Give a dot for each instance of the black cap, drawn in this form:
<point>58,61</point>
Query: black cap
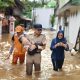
<point>37,26</point>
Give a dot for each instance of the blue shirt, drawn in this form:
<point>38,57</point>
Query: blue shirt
<point>58,52</point>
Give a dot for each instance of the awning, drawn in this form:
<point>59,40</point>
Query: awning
<point>67,6</point>
<point>26,19</point>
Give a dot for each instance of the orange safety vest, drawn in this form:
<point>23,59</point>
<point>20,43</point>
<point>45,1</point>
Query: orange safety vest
<point>18,47</point>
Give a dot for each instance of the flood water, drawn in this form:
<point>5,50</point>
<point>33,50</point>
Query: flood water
<point>71,67</point>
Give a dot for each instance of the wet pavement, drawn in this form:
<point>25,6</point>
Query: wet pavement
<point>71,67</point>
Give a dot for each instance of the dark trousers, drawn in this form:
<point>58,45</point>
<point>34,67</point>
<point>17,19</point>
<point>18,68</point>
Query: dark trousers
<point>57,64</point>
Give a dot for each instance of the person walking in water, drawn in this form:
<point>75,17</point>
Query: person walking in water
<point>34,56</point>
<point>58,45</point>
<point>17,48</point>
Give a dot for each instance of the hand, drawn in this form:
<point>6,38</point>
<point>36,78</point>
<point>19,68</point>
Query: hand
<point>58,44</point>
<point>64,45</point>
<point>32,50</point>
<point>61,44</point>
<point>40,47</point>
<point>32,47</point>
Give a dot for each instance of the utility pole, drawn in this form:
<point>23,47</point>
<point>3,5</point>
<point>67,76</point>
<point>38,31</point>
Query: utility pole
<point>77,45</point>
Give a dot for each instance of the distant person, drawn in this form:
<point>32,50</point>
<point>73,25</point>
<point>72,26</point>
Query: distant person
<point>58,45</point>
<point>60,28</point>
<point>5,25</point>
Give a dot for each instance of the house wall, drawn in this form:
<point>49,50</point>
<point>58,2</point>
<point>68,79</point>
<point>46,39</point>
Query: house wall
<point>43,16</point>
<point>59,22</point>
<point>74,24</point>
<point>71,31</point>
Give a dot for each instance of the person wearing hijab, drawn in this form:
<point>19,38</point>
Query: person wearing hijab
<point>58,45</point>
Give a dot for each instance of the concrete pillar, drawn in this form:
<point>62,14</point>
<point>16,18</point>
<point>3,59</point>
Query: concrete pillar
<point>12,25</point>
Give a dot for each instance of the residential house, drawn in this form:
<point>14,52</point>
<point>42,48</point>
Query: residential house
<point>68,15</point>
<point>14,10</point>
<point>43,16</point>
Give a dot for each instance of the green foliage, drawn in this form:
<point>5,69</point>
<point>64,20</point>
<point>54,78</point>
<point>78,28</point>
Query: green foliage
<point>6,3</point>
<point>52,20</point>
<point>17,22</point>
<point>27,10</point>
<point>51,4</point>
<point>29,6</point>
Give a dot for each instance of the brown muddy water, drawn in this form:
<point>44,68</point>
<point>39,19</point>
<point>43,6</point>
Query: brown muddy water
<point>71,67</point>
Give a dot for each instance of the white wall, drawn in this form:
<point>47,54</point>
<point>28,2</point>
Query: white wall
<point>43,16</point>
<point>62,3</point>
<point>74,24</point>
<point>59,22</point>
<point>1,16</point>
<point>73,28</point>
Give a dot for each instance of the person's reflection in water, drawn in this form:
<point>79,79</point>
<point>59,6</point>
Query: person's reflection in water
<point>37,75</point>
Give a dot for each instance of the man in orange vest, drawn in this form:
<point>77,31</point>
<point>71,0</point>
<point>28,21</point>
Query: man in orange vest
<point>17,47</point>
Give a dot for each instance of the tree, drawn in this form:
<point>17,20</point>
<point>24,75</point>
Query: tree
<point>29,6</point>
<point>7,4</point>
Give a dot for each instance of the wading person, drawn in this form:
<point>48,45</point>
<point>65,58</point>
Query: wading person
<point>60,28</point>
<point>58,45</point>
<point>17,48</point>
<point>34,56</point>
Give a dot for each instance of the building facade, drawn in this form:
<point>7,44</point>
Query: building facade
<point>43,16</point>
<point>68,13</point>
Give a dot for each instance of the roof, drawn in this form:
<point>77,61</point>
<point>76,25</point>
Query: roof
<point>67,6</point>
<point>27,19</point>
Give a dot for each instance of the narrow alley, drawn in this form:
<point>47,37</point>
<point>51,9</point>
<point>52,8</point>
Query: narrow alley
<point>71,67</point>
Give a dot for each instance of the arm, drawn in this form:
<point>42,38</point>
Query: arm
<point>11,49</point>
<point>65,45</point>
<point>12,45</point>
<point>42,44</point>
<point>26,43</point>
<point>52,45</point>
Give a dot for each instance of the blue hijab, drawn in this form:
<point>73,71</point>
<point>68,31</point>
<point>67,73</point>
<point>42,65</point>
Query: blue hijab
<point>62,39</point>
